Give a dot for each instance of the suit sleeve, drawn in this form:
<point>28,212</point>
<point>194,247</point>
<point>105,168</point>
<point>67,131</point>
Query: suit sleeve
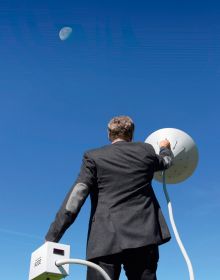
<point>163,160</point>
<point>73,201</point>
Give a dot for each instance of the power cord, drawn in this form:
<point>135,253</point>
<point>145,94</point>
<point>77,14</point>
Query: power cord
<point>170,210</point>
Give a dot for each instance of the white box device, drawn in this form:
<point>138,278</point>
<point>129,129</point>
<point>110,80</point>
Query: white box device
<point>43,266</point>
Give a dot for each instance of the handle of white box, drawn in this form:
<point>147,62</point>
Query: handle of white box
<point>83,262</point>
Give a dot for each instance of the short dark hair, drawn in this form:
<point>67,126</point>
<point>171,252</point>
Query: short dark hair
<point>121,127</point>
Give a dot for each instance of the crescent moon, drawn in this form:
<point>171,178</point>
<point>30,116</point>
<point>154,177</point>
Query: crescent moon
<point>65,33</point>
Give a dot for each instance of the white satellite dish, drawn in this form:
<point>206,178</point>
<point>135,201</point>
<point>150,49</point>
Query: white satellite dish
<point>184,150</point>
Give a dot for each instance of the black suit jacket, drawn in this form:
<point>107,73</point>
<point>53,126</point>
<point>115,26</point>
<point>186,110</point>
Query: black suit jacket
<point>124,210</point>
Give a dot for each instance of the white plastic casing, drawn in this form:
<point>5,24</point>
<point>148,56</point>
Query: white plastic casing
<point>184,150</point>
<point>43,267</point>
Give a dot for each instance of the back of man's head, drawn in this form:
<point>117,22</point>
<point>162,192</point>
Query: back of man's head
<point>121,127</point>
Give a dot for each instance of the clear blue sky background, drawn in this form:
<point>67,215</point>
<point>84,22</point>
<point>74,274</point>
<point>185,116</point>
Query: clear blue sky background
<point>157,61</point>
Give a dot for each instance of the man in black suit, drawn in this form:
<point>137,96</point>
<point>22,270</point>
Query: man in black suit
<point>126,224</point>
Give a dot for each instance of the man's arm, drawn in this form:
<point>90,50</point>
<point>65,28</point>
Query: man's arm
<point>73,201</point>
<point>165,157</point>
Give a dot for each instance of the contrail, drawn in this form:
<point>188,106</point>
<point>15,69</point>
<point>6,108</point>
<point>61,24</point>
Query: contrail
<point>21,234</point>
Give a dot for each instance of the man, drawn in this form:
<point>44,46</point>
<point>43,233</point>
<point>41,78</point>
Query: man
<point>126,224</point>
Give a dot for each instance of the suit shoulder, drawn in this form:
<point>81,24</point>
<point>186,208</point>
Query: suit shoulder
<point>108,148</point>
<point>95,151</point>
<point>144,145</point>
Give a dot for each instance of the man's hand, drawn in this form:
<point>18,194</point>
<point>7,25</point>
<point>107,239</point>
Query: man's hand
<point>164,143</point>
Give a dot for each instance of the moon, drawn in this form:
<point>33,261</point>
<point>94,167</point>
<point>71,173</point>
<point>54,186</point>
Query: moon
<point>65,33</point>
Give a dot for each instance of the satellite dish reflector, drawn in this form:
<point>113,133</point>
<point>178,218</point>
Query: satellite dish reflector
<point>184,150</point>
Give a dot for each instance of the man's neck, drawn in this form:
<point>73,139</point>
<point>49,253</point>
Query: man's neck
<point>118,140</point>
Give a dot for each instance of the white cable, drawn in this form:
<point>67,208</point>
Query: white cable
<point>83,262</point>
<point>170,210</point>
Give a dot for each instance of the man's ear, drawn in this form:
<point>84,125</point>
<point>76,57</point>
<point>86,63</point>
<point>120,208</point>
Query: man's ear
<point>108,132</point>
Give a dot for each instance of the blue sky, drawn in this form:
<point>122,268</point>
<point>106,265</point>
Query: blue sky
<point>156,61</point>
